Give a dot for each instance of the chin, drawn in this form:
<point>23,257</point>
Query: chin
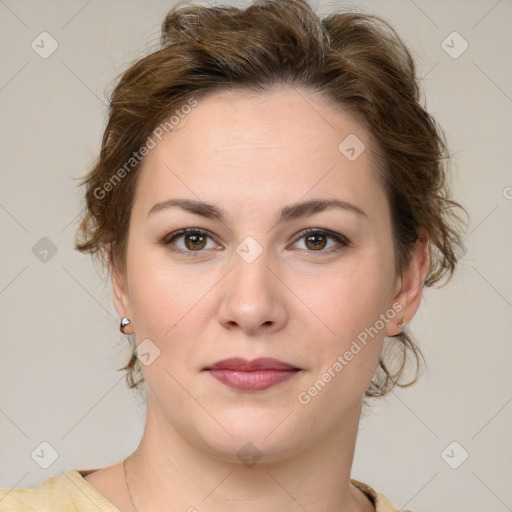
<point>252,437</point>
<point>249,449</point>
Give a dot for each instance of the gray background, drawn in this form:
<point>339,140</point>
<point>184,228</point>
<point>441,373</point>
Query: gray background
<point>60,343</point>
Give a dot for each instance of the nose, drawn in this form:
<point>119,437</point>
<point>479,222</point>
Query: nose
<point>253,297</point>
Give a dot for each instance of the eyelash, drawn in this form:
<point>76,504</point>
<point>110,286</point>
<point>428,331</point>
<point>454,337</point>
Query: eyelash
<point>340,239</point>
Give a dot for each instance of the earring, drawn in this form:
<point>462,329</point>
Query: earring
<point>401,324</point>
<point>123,324</point>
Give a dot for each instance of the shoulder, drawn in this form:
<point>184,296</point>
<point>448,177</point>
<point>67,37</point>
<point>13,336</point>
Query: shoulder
<point>68,492</point>
<point>381,503</point>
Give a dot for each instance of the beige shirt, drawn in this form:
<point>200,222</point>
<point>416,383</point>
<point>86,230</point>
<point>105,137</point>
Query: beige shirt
<point>71,493</point>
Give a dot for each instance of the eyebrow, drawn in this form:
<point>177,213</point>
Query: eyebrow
<point>288,213</point>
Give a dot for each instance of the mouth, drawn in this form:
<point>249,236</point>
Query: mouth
<point>256,375</point>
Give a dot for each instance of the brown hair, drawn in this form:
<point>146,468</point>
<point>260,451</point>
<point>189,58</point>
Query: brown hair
<point>357,61</point>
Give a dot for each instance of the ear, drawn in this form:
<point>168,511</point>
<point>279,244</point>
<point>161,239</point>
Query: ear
<point>409,288</point>
<point>119,291</point>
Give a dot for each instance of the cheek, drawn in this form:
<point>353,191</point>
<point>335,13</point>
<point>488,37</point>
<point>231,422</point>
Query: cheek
<point>351,297</point>
<point>354,305</point>
<point>166,298</point>
<point>168,310</point>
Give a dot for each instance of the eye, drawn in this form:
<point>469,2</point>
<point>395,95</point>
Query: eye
<point>194,240</point>
<point>316,240</point>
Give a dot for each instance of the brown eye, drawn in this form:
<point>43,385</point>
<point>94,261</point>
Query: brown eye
<point>189,240</point>
<point>316,241</point>
<point>194,241</point>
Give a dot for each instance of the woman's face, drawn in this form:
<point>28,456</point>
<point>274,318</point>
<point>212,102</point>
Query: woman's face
<point>247,282</point>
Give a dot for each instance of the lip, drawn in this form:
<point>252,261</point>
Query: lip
<point>243,365</point>
<point>256,375</point>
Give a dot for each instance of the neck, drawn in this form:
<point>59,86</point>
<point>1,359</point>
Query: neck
<point>170,472</point>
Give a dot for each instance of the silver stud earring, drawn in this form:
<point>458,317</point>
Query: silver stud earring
<point>401,324</point>
<point>123,324</point>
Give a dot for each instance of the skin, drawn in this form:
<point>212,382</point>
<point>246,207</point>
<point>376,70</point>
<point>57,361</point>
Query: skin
<point>251,155</point>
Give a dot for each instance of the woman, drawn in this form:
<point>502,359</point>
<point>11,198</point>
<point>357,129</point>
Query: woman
<point>270,201</point>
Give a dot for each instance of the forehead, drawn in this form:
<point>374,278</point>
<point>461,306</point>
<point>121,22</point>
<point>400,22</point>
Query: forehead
<point>281,145</point>
<point>284,118</point>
